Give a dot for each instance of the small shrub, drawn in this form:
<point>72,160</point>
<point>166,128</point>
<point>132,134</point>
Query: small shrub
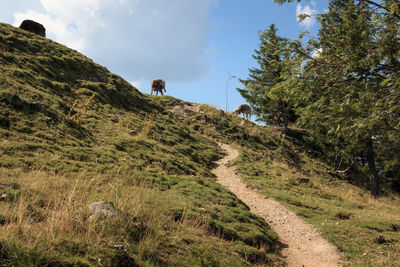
<point>147,124</point>
<point>77,111</point>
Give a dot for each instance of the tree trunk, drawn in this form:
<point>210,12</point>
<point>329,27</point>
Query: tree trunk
<point>373,175</point>
<point>284,117</point>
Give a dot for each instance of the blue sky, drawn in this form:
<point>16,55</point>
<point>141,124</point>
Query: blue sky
<point>235,27</point>
<point>192,44</point>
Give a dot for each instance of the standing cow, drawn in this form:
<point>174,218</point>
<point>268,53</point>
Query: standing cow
<point>158,85</point>
<point>277,119</point>
<point>245,110</point>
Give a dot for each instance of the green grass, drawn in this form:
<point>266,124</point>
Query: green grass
<point>72,133</point>
<point>345,214</point>
<point>164,220</point>
<point>365,230</point>
<point>49,119</point>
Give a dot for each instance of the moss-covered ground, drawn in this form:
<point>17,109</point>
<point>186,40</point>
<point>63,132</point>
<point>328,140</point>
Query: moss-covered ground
<point>292,170</point>
<point>72,133</point>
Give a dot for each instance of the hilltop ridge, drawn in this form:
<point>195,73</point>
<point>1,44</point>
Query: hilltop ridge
<point>54,98</point>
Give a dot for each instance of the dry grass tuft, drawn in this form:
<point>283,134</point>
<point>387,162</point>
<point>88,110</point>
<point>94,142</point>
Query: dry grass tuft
<point>78,109</point>
<point>147,124</point>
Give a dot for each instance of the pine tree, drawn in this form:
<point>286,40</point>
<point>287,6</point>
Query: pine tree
<point>351,90</point>
<point>259,86</point>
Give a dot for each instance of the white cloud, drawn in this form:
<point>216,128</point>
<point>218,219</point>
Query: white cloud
<point>138,84</point>
<point>308,10</point>
<point>139,39</point>
<point>56,28</point>
<point>316,52</point>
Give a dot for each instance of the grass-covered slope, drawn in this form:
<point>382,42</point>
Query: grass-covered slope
<point>291,170</point>
<point>60,111</point>
<point>72,133</point>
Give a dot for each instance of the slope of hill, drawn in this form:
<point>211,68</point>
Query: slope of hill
<point>73,133</point>
<point>291,170</point>
<point>66,112</point>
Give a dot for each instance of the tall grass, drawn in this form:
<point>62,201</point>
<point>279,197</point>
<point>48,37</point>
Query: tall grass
<point>78,109</point>
<point>51,210</point>
<point>46,220</point>
<point>147,125</point>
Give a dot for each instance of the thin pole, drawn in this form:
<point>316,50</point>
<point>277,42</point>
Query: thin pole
<point>226,91</point>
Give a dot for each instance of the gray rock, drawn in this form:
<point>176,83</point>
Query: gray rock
<point>102,210</point>
<point>3,197</point>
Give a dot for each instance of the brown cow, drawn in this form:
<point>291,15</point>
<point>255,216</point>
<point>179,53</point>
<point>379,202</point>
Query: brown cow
<point>158,85</point>
<point>32,26</point>
<point>277,119</point>
<point>245,110</point>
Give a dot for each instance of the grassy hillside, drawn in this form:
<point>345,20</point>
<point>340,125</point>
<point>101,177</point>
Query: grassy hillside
<point>72,133</point>
<point>366,230</point>
<point>62,112</point>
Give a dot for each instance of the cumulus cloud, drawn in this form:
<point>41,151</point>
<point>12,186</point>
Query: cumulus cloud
<point>56,29</point>
<point>139,39</point>
<point>307,10</point>
<point>316,53</point>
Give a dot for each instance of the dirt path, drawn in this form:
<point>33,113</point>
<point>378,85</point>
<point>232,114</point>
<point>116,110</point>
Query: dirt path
<point>303,245</point>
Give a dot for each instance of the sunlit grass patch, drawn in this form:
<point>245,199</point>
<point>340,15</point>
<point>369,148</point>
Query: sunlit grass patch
<point>179,220</point>
<point>345,214</point>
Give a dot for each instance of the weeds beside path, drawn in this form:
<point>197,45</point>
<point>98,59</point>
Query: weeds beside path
<point>302,244</point>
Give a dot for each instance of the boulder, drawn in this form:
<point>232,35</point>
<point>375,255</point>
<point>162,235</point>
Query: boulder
<point>102,210</point>
<point>33,26</point>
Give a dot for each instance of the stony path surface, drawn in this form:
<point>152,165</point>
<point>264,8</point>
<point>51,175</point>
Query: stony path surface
<point>303,246</point>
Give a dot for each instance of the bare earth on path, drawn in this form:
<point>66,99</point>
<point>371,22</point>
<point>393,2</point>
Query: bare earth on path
<point>303,246</point>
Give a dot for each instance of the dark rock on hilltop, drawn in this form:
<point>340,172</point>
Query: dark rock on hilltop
<point>32,26</point>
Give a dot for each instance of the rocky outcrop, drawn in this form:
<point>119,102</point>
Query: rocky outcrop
<point>33,26</point>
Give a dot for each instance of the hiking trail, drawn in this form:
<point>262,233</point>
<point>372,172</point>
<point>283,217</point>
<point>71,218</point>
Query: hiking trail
<point>302,244</point>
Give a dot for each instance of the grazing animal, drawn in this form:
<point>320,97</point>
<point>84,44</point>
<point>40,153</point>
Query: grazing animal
<point>158,85</point>
<point>277,119</point>
<point>33,26</point>
<point>245,110</point>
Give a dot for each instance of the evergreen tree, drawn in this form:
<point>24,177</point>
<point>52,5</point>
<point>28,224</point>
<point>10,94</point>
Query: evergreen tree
<point>258,90</point>
<point>351,89</point>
